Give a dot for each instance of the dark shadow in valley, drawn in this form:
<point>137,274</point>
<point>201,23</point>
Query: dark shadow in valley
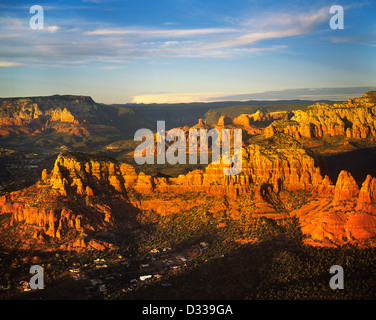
<point>233,277</point>
<point>359,163</point>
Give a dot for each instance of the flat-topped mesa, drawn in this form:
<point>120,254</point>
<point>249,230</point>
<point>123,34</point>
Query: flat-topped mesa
<point>75,115</point>
<point>355,118</point>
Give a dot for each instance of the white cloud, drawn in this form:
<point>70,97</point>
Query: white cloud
<point>52,29</point>
<point>177,97</point>
<point>88,43</point>
<point>274,26</point>
<point>8,64</point>
<point>218,41</point>
<point>159,33</point>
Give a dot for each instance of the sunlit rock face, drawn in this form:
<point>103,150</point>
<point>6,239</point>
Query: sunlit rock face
<point>86,193</point>
<point>73,115</point>
<point>355,118</point>
<point>348,215</point>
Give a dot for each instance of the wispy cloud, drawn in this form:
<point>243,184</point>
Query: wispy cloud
<point>161,33</point>
<point>366,39</point>
<point>8,64</point>
<point>177,97</point>
<point>274,26</point>
<point>335,94</point>
<point>209,42</point>
<point>89,43</point>
<point>338,94</point>
<point>52,29</point>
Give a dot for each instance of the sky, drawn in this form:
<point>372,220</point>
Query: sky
<point>155,51</point>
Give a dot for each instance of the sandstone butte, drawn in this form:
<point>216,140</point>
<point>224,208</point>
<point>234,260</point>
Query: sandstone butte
<point>355,118</point>
<point>86,193</point>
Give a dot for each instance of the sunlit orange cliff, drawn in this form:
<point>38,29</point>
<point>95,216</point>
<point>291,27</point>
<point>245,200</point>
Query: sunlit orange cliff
<point>85,194</point>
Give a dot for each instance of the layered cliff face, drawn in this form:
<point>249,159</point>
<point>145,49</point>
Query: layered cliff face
<point>355,118</point>
<point>346,215</point>
<point>283,163</point>
<point>76,115</point>
<point>279,161</point>
<point>84,194</point>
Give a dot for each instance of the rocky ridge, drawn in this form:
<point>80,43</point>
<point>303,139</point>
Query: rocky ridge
<point>355,119</point>
<point>75,115</point>
<point>85,194</point>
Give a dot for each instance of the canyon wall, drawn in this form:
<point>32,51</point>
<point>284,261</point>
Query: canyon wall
<point>355,118</point>
<point>75,115</point>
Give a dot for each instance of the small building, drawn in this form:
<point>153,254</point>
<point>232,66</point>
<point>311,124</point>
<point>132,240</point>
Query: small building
<point>143,278</point>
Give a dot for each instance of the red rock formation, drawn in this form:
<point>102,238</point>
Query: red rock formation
<point>346,187</point>
<point>224,121</point>
<point>87,193</point>
<point>355,119</point>
<point>279,162</point>
<point>348,216</point>
<point>367,194</point>
<point>74,115</point>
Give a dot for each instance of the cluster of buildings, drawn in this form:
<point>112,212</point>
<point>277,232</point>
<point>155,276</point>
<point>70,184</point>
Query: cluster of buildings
<point>114,277</point>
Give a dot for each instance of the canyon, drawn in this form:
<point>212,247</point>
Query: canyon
<point>87,194</point>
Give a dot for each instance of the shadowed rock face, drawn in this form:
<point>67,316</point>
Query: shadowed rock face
<point>355,118</point>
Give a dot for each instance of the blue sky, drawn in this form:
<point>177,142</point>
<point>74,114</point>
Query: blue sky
<point>186,50</point>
